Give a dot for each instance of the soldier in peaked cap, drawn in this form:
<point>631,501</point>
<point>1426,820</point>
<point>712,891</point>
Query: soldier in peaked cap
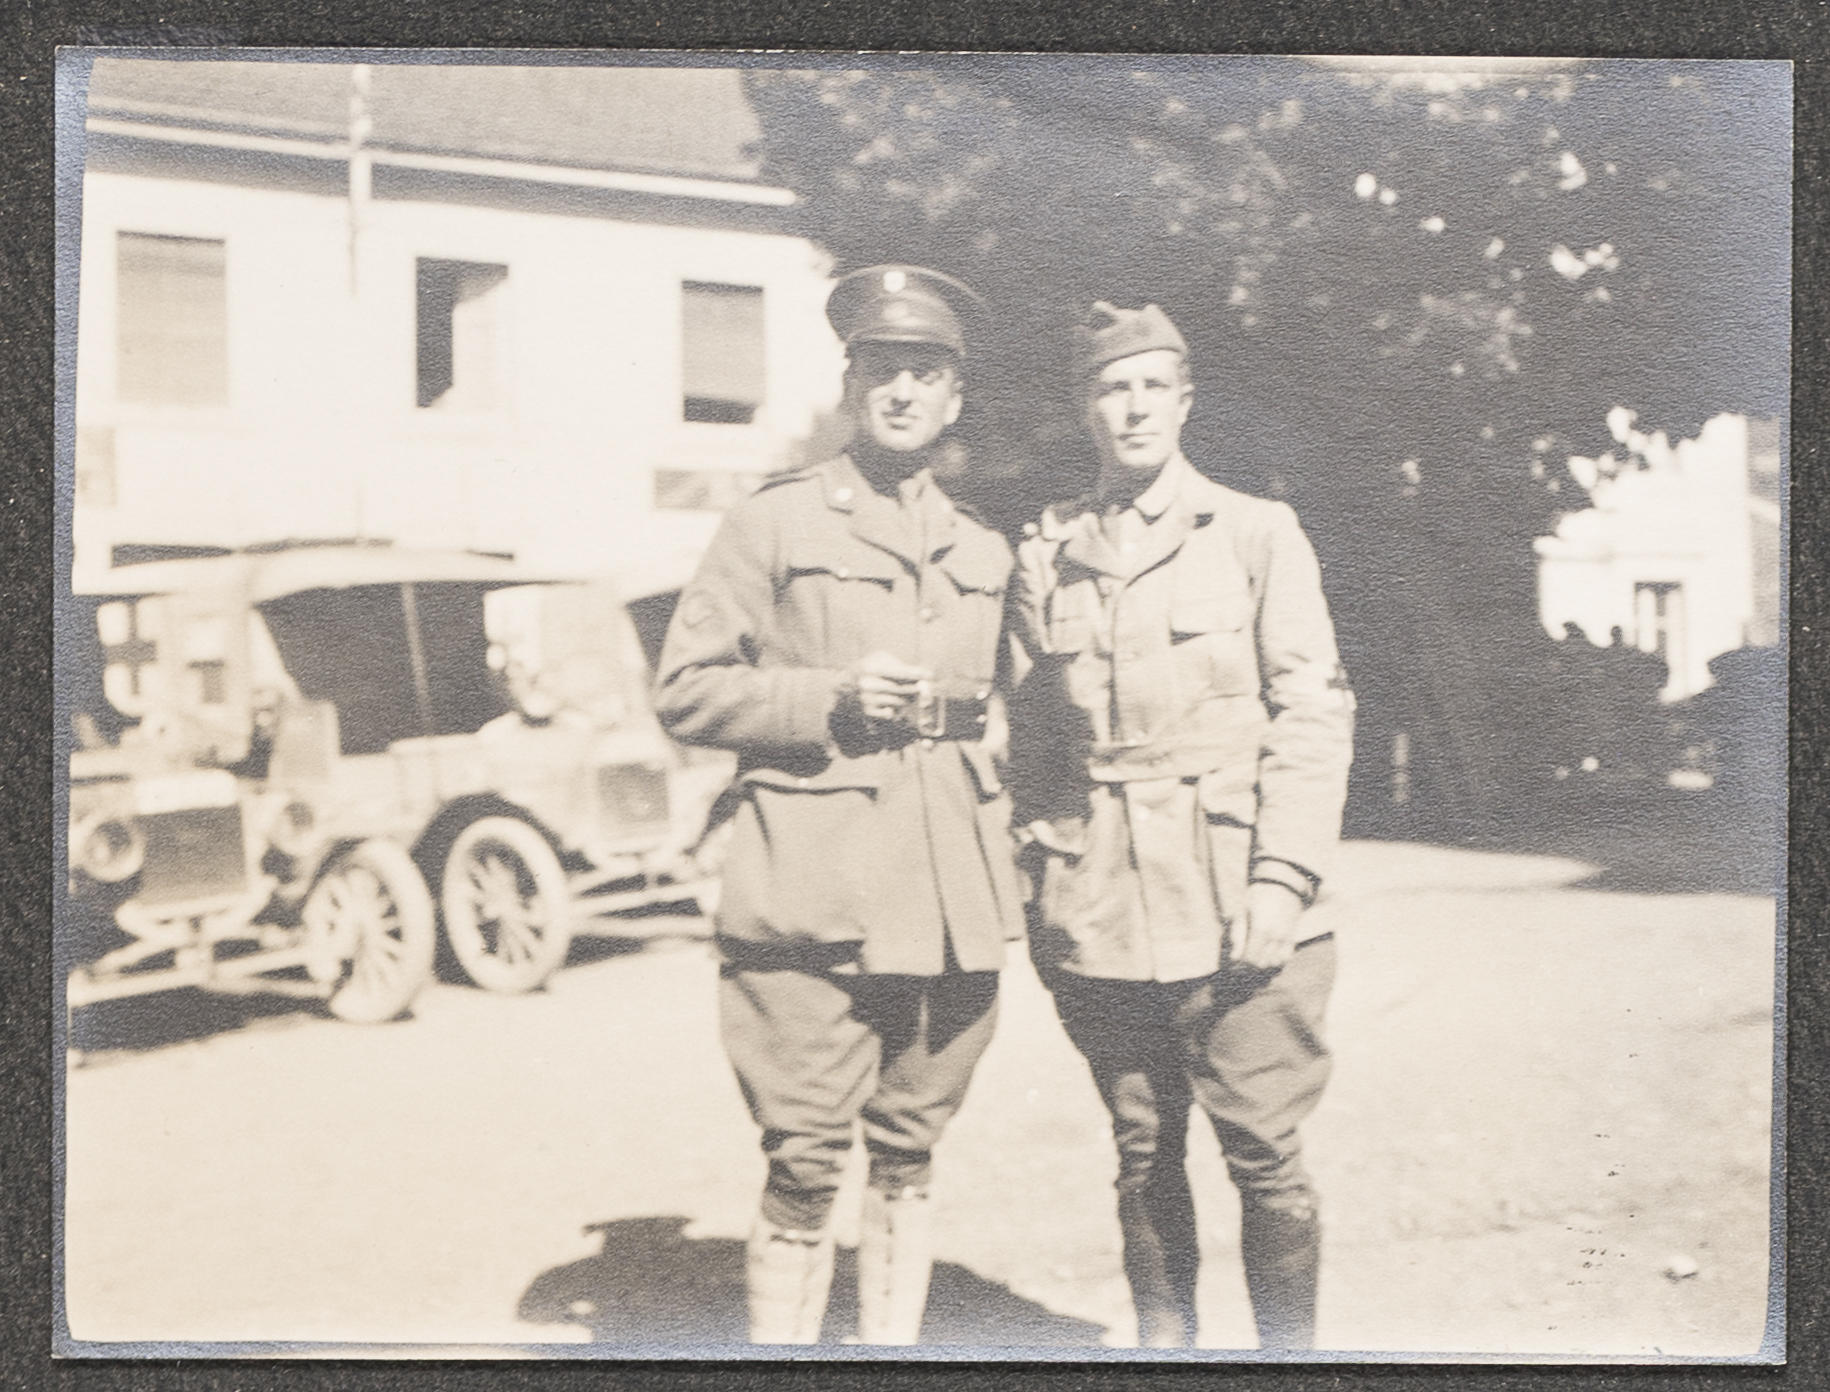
<point>1180,750</point>
<point>904,304</point>
<point>842,636</point>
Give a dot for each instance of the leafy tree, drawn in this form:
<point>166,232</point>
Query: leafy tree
<point>1411,293</point>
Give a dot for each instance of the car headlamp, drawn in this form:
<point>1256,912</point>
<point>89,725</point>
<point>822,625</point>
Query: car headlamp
<point>294,828</point>
<point>108,849</point>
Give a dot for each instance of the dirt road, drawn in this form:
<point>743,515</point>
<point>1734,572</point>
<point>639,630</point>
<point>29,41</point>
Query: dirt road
<point>1547,1089</point>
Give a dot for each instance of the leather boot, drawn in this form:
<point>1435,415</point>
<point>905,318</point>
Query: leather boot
<point>895,1259</point>
<point>787,1274</point>
<point>1282,1249</point>
<point>1161,1269</point>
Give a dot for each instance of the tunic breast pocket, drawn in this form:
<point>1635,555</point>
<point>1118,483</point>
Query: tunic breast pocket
<point>981,569</point>
<point>835,604</point>
<point>978,573</point>
<point>1210,635</point>
<point>1073,620</point>
<point>1076,639</point>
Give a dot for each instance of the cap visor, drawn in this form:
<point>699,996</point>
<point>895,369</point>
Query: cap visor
<point>890,335</point>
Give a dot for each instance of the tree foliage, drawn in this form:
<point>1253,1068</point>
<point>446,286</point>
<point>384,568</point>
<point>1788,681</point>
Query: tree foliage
<point>1411,292</point>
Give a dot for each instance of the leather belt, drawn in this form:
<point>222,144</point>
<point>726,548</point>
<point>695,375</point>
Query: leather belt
<point>941,711</point>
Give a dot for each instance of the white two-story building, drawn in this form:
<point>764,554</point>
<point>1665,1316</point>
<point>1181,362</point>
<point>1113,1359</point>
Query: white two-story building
<point>1679,551</point>
<point>546,310</point>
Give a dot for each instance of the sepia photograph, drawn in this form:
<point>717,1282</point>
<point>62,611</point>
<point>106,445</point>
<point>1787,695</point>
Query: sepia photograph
<point>925,706</point>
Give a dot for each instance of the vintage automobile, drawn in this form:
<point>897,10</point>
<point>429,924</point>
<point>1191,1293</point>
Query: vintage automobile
<point>292,766</point>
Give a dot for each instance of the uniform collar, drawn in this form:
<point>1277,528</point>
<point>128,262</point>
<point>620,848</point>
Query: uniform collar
<point>847,489</point>
<point>886,521</point>
<point>1171,504</point>
<point>1164,489</point>
<point>842,483</point>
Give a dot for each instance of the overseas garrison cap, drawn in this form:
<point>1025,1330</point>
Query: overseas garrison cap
<point>1118,333</point>
<point>902,304</point>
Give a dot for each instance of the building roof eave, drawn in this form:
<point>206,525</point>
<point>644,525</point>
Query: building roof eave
<point>341,150</point>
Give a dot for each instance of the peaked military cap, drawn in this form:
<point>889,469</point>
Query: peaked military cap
<point>903,304</point>
<point>1114,333</point>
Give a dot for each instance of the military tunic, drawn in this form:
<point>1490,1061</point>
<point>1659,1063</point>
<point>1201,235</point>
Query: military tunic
<point>869,887</point>
<point>900,847</point>
<point>1185,728</point>
<point>1187,732</point>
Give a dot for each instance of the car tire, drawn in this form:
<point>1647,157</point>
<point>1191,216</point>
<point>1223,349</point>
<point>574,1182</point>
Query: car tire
<point>372,907</point>
<point>507,905</point>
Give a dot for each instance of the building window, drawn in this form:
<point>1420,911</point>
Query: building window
<point>460,310</point>
<point>721,352</point>
<point>130,655</point>
<point>1658,621</point>
<point>172,320</point>
<point>95,475</point>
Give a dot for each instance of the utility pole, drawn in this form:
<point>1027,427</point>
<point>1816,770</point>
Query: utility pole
<point>361,188</point>
<point>361,162</point>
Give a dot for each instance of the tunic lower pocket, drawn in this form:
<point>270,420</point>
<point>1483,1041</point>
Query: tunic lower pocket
<point>984,771</point>
<point>799,866</point>
<point>1229,821</point>
<point>1226,800</point>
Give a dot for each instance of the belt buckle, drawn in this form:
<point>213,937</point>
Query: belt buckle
<point>930,712</point>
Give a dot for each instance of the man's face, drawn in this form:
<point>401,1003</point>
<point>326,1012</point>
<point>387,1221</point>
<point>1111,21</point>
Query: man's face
<point>1136,409</point>
<point>905,394</point>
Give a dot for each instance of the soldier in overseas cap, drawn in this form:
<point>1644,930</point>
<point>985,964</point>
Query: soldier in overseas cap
<point>1181,740</point>
<point>842,636</point>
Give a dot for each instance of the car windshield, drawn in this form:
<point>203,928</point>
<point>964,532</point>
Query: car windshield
<point>352,647</point>
<point>541,649</point>
<point>545,650</point>
<point>568,648</point>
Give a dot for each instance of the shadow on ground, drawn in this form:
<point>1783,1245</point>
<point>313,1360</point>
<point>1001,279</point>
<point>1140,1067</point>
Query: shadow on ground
<point>639,930</point>
<point>136,1024</point>
<point>623,935</point>
<point>1640,841</point>
<point>654,1287</point>
<point>1671,844</point>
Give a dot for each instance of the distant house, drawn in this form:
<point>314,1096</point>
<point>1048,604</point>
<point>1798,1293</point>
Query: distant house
<point>549,310</point>
<point>1679,550</point>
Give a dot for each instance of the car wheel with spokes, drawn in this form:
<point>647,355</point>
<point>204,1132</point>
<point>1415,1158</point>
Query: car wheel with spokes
<point>370,932</point>
<point>507,905</point>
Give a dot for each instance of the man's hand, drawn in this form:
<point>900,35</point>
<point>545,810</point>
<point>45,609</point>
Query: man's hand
<point>996,738</point>
<point>1269,933</point>
<point>884,686</point>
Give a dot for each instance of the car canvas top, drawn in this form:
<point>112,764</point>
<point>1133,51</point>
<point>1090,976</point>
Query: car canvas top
<point>265,575</point>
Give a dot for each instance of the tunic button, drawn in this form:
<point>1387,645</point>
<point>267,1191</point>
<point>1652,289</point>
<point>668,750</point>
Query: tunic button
<point>800,782</point>
<point>927,614</point>
<point>843,572</point>
<point>842,495</point>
